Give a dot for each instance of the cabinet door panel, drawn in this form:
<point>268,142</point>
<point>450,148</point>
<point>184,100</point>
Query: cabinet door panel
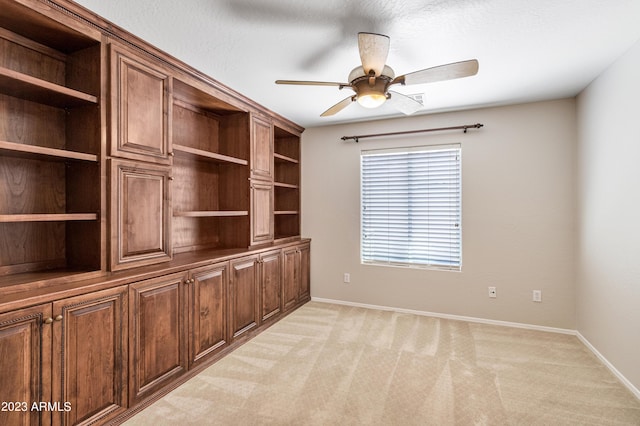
<point>140,214</point>
<point>90,356</point>
<point>157,336</point>
<point>290,277</point>
<point>261,149</point>
<point>305,272</point>
<point>271,284</point>
<point>25,364</point>
<point>244,296</point>
<point>140,108</point>
<point>261,213</point>
<point>208,311</point>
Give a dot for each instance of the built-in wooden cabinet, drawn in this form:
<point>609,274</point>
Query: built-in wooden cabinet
<point>140,106</point>
<point>262,188</point>
<point>149,216</point>
<point>208,332</point>
<point>296,275</point>
<point>140,214</point>
<point>25,364</point>
<point>261,149</point>
<point>61,353</point>
<point>261,212</point>
<point>244,295</point>
<point>90,350</point>
<point>270,264</point>
<point>157,336</point>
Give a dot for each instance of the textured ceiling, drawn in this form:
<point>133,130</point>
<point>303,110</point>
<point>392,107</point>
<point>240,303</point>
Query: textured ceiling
<point>528,50</point>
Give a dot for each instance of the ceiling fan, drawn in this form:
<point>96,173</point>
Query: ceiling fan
<point>372,80</point>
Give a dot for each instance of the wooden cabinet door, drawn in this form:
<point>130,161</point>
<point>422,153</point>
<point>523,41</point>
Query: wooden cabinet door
<point>157,342</point>
<point>244,297</point>
<point>290,277</point>
<point>305,272</point>
<point>208,330</point>
<point>25,365</point>
<point>261,212</point>
<point>296,275</point>
<point>261,149</point>
<point>90,356</point>
<point>140,107</point>
<point>271,284</point>
<point>140,214</point>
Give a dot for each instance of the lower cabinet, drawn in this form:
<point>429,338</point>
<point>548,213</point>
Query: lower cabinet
<point>25,364</point>
<point>158,334</point>
<point>208,311</point>
<point>87,359</point>
<point>177,322</point>
<point>255,290</point>
<point>270,284</point>
<point>244,295</point>
<point>296,275</point>
<point>65,362</point>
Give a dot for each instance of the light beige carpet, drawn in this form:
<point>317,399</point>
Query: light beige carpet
<point>336,365</point>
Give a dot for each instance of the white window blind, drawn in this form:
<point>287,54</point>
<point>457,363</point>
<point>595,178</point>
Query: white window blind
<point>411,207</point>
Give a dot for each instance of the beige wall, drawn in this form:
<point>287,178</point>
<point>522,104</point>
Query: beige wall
<point>608,207</point>
<point>518,215</point>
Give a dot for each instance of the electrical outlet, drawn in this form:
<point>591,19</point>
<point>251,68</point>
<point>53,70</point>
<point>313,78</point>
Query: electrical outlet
<point>492,292</point>
<point>347,277</point>
<point>537,295</point>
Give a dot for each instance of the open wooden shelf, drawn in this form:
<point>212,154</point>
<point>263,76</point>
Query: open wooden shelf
<point>24,86</point>
<point>285,185</point>
<point>209,156</point>
<point>210,213</point>
<point>51,128</point>
<point>40,152</point>
<point>46,217</point>
<point>285,158</point>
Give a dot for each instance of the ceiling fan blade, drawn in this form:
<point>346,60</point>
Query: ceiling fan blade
<point>404,103</point>
<point>339,106</point>
<point>313,83</point>
<point>374,49</point>
<point>440,73</point>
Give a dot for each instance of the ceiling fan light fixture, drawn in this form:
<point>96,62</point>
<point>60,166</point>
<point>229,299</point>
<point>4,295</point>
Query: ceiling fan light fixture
<point>371,100</point>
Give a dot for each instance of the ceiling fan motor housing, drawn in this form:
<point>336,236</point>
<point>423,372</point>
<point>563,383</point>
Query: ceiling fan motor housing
<point>371,91</point>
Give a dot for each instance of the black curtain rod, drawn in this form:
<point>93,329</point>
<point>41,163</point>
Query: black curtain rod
<point>374,135</point>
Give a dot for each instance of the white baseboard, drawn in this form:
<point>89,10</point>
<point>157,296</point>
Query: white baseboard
<point>634,390</point>
<point>576,333</point>
<point>448,316</point>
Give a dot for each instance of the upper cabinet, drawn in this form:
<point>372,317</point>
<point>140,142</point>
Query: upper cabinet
<point>140,107</point>
<point>261,148</point>
<point>51,148</point>
<point>140,214</point>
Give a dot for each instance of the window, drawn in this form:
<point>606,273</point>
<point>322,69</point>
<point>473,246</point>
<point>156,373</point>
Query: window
<point>411,207</point>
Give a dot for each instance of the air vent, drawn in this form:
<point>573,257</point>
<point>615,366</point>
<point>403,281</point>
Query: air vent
<point>417,97</point>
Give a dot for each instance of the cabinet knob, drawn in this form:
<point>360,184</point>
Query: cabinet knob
<point>58,318</point>
<point>170,178</point>
<point>170,154</point>
<point>48,320</point>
